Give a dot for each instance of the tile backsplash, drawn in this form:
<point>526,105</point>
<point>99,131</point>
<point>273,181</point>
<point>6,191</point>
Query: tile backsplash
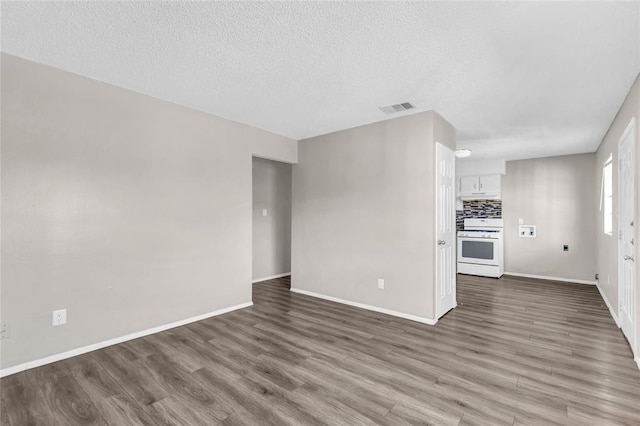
<point>483,209</point>
<point>459,220</point>
<point>478,209</point>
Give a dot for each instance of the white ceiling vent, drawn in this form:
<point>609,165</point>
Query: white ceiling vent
<point>392,109</point>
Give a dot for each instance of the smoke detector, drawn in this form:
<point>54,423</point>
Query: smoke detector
<point>392,109</point>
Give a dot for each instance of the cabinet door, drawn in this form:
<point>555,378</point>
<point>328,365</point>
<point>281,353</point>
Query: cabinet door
<point>489,183</point>
<point>469,184</point>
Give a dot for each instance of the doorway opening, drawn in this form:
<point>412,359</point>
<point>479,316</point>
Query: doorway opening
<point>271,219</point>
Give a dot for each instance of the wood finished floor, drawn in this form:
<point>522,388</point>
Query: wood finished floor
<point>517,351</point>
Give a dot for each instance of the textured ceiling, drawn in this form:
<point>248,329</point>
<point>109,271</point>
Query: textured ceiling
<point>518,80</point>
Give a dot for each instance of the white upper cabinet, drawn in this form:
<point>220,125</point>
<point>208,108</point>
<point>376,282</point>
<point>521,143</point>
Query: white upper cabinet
<point>490,183</point>
<point>468,185</point>
<point>480,187</point>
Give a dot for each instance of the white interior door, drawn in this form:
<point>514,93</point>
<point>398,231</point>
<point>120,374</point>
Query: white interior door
<point>626,233</point>
<point>445,231</point>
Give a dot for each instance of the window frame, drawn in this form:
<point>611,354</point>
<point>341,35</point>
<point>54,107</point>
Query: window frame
<point>606,200</point>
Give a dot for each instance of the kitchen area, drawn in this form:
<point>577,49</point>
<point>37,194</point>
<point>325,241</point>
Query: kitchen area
<point>479,221</point>
<point>532,218</point>
<point>480,227</point>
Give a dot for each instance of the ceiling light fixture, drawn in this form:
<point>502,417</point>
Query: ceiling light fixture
<point>463,153</point>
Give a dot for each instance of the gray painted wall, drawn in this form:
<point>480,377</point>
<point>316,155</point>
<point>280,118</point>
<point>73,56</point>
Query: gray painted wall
<point>128,211</point>
<point>555,194</point>
<point>607,253</point>
<point>271,233</point>
<point>363,209</point>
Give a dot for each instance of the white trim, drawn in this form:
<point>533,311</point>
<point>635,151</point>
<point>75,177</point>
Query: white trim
<point>272,277</point>
<point>637,360</point>
<point>611,311</point>
<point>89,348</point>
<point>543,277</point>
<point>368,307</point>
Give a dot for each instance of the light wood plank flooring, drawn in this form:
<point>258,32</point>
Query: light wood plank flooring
<point>516,351</point>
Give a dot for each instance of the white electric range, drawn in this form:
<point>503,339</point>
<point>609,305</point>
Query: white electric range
<point>481,248</point>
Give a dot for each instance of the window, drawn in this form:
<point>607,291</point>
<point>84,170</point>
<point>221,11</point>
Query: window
<point>606,200</point>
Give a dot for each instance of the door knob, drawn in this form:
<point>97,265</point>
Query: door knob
<point>628,258</point>
<point>441,242</point>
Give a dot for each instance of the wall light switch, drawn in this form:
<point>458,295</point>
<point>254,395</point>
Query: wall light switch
<point>380,283</point>
<point>265,212</point>
<point>59,317</point>
<point>520,221</point>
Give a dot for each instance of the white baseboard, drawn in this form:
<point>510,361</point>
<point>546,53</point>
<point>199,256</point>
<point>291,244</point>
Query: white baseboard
<point>637,359</point>
<point>272,277</point>
<point>606,301</point>
<point>83,350</point>
<point>544,277</point>
<point>368,307</point>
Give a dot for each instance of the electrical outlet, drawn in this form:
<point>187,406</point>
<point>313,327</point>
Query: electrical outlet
<point>5,330</point>
<point>59,317</point>
<point>380,283</point>
<point>265,212</point>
